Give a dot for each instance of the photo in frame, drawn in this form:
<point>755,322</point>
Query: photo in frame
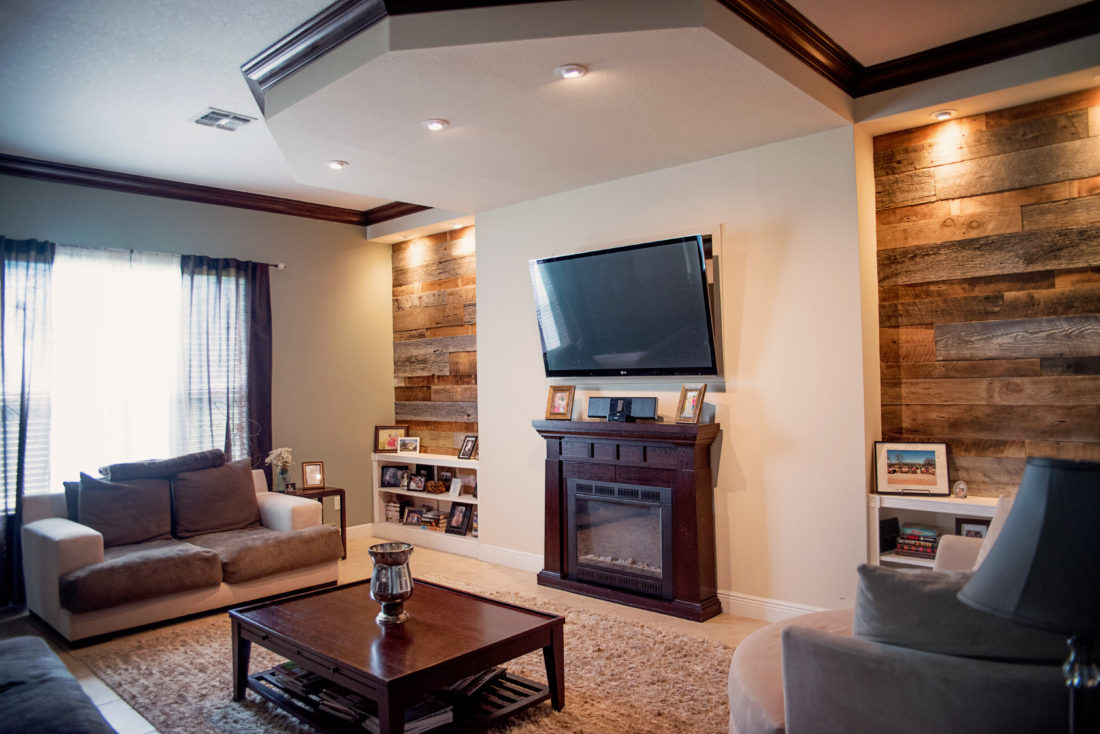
<point>391,476</point>
<point>459,521</point>
<point>412,517</point>
<point>972,527</point>
<point>559,403</point>
<point>408,445</point>
<point>468,445</point>
<point>691,403</point>
<point>417,483</point>
<point>385,438</point>
<point>911,468</point>
<point>313,474</point>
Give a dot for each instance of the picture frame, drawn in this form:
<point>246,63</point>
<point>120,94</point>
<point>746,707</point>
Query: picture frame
<point>408,445</point>
<point>456,487</point>
<point>417,483</point>
<point>468,445</point>
<point>559,402</point>
<point>313,474</point>
<point>690,406</point>
<point>385,438</point>
<point>391,476</point>
<point>412,517</point>
<point>972,527</point>
<point>458,523</point>
<point>911,468</point>
<point>444,474</point>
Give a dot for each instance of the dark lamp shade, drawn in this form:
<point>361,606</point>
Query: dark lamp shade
<point>1044,568</point>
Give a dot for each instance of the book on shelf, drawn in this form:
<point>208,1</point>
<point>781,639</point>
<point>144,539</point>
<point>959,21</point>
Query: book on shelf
<point>425,714</point>
<point>472,685</point>
<point>910,528</point>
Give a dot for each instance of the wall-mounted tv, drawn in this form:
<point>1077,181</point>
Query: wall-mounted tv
<point>635,310</point>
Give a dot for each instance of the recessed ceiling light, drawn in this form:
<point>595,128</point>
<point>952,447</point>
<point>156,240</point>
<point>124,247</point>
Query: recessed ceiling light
<point>436,124</point>
<point>337,165</point>
<point>571,71</point>
<point>941,115</point>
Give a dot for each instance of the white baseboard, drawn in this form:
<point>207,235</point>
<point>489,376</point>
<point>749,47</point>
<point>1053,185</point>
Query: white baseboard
<point>361,531</point>
<point>757,607</point>
<point>512,558</point>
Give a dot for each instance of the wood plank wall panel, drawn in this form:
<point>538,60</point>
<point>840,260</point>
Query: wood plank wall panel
<point>435,339</point>
<point>988,233</point>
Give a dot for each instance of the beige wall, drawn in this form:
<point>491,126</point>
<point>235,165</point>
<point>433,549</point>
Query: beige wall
<point>790,462</point>
<point>331,307</point>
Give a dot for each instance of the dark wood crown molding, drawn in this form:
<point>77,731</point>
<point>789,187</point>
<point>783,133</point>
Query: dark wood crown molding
<point>131,184</point>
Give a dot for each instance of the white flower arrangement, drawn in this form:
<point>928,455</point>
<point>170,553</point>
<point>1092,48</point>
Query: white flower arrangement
<point>280,459</point>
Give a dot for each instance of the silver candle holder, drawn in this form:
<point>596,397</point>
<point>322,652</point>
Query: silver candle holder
<point>391,581</point>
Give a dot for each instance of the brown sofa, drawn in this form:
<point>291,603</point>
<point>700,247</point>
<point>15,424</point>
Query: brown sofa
<point>150,541</point>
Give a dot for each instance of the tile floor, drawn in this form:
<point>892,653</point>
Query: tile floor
<point>444,568</point>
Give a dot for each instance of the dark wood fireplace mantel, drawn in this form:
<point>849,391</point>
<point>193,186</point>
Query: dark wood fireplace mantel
<point>673,455</point>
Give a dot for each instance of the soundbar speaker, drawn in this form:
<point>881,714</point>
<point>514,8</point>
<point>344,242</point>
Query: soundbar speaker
<point>622,409</point>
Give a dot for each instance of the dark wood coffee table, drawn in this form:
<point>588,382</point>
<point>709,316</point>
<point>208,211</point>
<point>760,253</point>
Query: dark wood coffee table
<point>450,634</point>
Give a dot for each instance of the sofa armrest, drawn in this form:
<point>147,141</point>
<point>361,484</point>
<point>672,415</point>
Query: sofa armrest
<point>956,553</point>
<point>39,506</point>
<point>285,512</point>
<point>52,548</point>
<point>836,684</point>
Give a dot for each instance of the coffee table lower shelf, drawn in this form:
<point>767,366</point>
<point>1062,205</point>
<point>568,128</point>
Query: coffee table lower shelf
<point>506,696</point>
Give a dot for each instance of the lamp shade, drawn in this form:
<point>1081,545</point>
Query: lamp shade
<point>1044,568</point>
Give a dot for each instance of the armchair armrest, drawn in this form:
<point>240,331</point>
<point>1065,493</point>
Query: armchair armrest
<point>956,553</point>
<point>285,512</point>
<point>52,548</point>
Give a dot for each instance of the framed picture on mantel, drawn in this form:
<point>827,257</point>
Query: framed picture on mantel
<point>559,403</point>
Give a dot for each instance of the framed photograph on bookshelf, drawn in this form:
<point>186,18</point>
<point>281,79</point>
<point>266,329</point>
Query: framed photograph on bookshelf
<point>417,482</point>
<point>385,438</point>
<point>459,521</point>
<point>456,487</point>
<point>468,445</point>
<point>911,468</point>
<point>391,476</point>
<point>971,527</point>
<point>412,517</point>
<point>408,445</point>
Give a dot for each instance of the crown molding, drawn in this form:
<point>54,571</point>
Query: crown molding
<point>131,184</point>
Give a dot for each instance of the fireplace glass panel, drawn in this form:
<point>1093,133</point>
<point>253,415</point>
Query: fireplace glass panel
<point>619,536</point>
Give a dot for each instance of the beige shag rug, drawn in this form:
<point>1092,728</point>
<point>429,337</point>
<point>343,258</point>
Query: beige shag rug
<point>620,677</point>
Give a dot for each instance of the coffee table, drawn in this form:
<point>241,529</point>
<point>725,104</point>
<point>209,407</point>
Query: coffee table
<point>450,634</point>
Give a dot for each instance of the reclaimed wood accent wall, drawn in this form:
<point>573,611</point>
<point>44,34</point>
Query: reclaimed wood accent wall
<point>989,287</point>
<point>435,339</point>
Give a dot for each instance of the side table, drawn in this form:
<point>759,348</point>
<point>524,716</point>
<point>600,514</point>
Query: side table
<point>319,494</point>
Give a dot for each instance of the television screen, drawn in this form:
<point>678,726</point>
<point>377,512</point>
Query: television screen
<point>635,310</point>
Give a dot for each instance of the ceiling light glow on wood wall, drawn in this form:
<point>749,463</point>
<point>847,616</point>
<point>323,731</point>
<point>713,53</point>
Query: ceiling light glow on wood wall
<point>571,71</point>
<point>941,115</point>
<point>436,124</point>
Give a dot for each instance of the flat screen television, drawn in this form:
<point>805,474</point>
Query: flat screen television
<point>636,310</point>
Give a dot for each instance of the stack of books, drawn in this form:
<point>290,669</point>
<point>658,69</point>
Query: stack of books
<point>917,541</point>
<point>393,512</point>
<point>434,520</point>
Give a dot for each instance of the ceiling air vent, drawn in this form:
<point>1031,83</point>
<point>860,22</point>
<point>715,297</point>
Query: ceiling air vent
<point>222,120</point>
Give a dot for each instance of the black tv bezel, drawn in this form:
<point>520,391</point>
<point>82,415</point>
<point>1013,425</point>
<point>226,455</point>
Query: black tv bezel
<point>712,370</point>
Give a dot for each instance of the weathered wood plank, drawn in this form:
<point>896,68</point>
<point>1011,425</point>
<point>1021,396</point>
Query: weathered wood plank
<point>907,344</point>
<point>469,313</point>
<point>916,136</point>
<point>1069,336</point>
<point>1016,170</point>
<point>428,318</point>
<point>1044,108</point>
<point>892,429</point>
<point>436,346</point>
<point>1077,276</point>
<point>949,228</point>
<point>1080,423</point>
<point>952,147</point>
<point>957,288</point>
<point>404,394</point>
<point>436,298</point>
<point>463,363</point>
<point>911,214</point>
<point>996,255</point>
<point>1071,366</point>
<point>442,331</point>
<point>454,393</point>
<point>1062,390</point>
<point>963,368</point>
<point>987,469</point>
<point>415,364</point>
<point>904,189</point>
<point>451,267</point>
<point>1015,305</point>
<point>982,489</point>
<point>465,429</point>
<point>429,411</point>
<point>442,246</point>
<point>1082,212</point>
<point>1065,450</point>
<point>991,447</point>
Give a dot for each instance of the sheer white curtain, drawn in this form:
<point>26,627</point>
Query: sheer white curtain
<point>115,357</point>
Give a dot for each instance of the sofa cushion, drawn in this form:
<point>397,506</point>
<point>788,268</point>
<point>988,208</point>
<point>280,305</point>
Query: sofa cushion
<point>125,512</point>
<point>215,499</point>
<point>164,467</point>
<point>38,693</point>
<point>257,552</point>
<point>72,500</point>
<point>918,609</point>
<point>130,573</point>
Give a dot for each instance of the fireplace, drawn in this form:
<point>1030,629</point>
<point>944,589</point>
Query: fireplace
<point>619,535</point>
<point>629,514</point>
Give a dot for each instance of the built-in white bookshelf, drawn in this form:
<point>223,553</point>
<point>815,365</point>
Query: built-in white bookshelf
<point>938,512</point>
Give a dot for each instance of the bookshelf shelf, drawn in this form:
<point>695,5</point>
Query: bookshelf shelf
<point>934,511</point>
<point>465,545</point>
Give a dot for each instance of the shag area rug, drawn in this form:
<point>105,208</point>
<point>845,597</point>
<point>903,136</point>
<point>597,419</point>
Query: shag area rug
<point>620,677</point>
